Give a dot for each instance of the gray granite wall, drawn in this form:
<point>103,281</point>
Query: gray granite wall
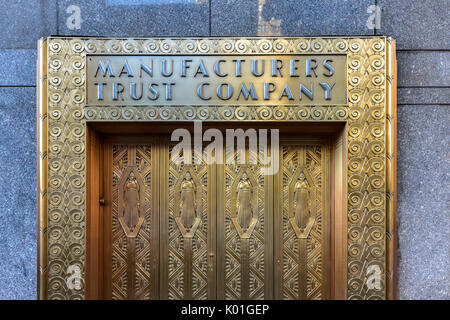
<point>421,28</point>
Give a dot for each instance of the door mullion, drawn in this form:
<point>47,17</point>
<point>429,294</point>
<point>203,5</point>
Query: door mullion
<point>163,219</point>
<point>212,232</point>
<point>220,231</point>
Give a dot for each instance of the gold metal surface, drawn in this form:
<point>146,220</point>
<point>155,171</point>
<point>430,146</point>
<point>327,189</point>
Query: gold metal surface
<point>230,207</point>
<point>391,170</point>
<point>187,260</point>
<point>131,219</point>
<point>42,169</point>
<point>244,230</point>
<point>302,221</point>
<point>368,175</point>
<point>284,79</point>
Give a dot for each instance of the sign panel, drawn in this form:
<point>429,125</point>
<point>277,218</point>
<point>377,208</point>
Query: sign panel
<point>217,80</point>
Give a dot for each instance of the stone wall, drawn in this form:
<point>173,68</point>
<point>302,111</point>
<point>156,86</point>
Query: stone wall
<point>421,28</point>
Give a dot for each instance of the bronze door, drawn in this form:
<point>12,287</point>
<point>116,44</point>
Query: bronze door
<point>244,235</point>
<point>187,228</point>
<point>131,230</point>
<point>302,221</point>
<point>221,231</point>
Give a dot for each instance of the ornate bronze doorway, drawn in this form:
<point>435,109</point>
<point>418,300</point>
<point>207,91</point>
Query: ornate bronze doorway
<point>309,83</point>
<point>215,231</point>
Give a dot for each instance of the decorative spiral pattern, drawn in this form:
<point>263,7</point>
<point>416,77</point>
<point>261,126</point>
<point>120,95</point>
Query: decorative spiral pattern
<point>355,96</point>
<point>130,46</point>
<point>355,147</point>
<point>355,181</point>
<point>355,233</point>
<point>318,45</point>
<point>355,45</point>
<point>355,267</point>
<point>77,63</point>
<point>242,113</point>
<point>355,130</point>
<point>77,45</point>
<point>77,96</point>
<point>303,113</point>
<point>189,113</point>
<point>340,113</point>
<point>317,113</point>
<point>203,113</point>
<point>376,164</point>
<point>151,46</point>
<point>204,46</point>
<point>376,216</point>
<point>303,45</point>
<point>377,113</point>
<point>227,113</point>
<point>265,113</point>
<point>376,62</point>
<point>91,45</point>
<point>340,45</point>
<point>355,113</point>
<point>167,46</point>
<point>264,45</point>
<point>376,45</point>
<point>280,45</point>
<point>354,251</point>
<point>242,45</point>
<point>55,79</point>
<point>355,79</point>
<point>151,113</point>
<point>55,63</point>
<point>279,113</point>
<point>227,46</point>
<point>113,46</point>
<point>133,113</point>
<point>77,79</point>
<point>55,46</point>
<point>355,217</point>
<point>355,62</point>
<point>166,113</point>
<point>377,96</point>
<point>190,46</point>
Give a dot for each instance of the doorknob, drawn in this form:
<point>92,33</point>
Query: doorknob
<point>101,201</point>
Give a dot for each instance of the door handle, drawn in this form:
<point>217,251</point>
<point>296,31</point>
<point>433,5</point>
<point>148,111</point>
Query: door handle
<point>211,264</point>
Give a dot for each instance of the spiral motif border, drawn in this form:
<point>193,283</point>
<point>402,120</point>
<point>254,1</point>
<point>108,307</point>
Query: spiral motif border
<point>365,115</point>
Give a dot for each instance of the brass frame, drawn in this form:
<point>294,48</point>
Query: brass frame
<point>369,150</point>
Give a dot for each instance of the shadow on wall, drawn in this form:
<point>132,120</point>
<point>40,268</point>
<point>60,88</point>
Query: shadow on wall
<point>149,18</point>
<point>300,18</point>
<point>134,18</point>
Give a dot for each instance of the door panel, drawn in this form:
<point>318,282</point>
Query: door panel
<point>302,237</point>
<point>188,252</point>
<point>244,230</point>
<point>164,220</point>
<point>131,221</point>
